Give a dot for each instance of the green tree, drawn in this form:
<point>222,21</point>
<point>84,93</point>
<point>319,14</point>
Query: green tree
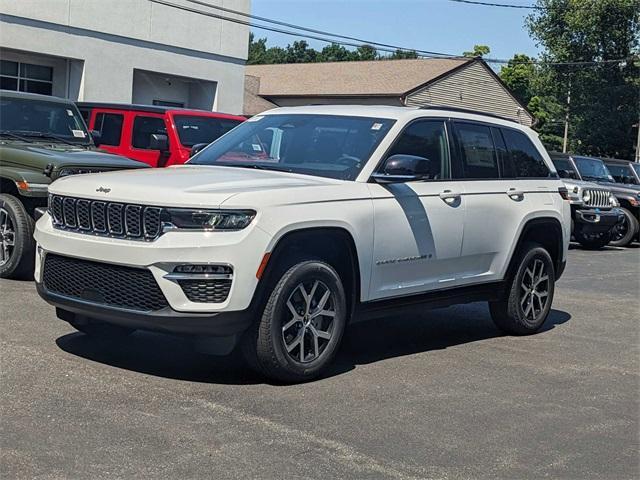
<point>403,54</point>
<point>605,99</point>
<point>519,75</point>
<point>335,53</point>
<point>478,51</point>
<point>367,52</point>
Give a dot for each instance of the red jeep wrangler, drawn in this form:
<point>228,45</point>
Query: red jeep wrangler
<point>159,136</point>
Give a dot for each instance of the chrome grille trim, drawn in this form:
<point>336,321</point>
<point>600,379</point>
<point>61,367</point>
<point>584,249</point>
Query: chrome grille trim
<point>106,219</point>
<point>599,198</point>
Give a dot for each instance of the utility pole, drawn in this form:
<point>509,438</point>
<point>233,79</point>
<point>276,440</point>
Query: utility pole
<point>566,121</point>
<point>637,159</point>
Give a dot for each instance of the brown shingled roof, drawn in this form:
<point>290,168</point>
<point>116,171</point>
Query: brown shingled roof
<point>380,77</point>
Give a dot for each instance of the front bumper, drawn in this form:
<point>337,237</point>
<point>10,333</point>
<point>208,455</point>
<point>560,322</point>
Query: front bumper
<point>241,250</point>
<point>221,324</point>
<point>596,220</point>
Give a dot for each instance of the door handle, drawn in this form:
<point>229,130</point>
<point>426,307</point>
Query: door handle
<point>449,196</point>
<point>515,193</point>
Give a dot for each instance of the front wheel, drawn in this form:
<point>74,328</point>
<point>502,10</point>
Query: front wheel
<point>16,239</point>
<point>593,241</point>
<point>529,294</point>
<point>301,326</point>
<point>625,231</point>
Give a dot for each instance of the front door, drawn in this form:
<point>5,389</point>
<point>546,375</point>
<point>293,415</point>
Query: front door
<point>418,225</point>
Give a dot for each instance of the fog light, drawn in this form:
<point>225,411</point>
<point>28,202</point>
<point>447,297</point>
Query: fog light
<point>219,269</point>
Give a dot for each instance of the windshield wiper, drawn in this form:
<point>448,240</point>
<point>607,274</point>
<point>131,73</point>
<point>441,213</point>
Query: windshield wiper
<point>9,133</point>
<point>593,177</point>
<point>55,137</point>
<point>256,166</point>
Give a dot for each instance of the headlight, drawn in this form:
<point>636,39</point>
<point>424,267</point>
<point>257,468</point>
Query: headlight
<point>195,219</point>
<point>65,172</point>
<point>586,196</point>
<point>613,201</point>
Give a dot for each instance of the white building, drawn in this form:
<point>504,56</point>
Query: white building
<point>131,51</point>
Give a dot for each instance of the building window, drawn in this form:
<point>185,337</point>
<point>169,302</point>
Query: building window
<point>167,103</point>
<point>26,77</point>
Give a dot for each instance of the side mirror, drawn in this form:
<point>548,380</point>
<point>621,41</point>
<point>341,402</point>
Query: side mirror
<point>403,168</point>
<point>159,141</point>
<point>97,137</point>
<point>197,147</point>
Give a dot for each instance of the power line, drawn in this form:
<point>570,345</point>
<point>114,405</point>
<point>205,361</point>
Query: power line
<point>504,5</point>
<point>325,38</point>
<point>320,32</point>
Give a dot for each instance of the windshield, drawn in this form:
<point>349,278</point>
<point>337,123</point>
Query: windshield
<point>592,169</point>
<point>324,145</point>
<point>196,129</point>
<point>636,167</point>
<point>41,118</point>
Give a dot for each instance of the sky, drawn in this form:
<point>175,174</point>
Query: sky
<point>435,25</point>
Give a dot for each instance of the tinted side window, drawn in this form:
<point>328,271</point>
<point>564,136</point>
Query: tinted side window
<point>143,128</point>
<point>564,168</point>
<point>525,159</point>
<point>426,139</point>
<point>478,154</point>
<point>110,127</point>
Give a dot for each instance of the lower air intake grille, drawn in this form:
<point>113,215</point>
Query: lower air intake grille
<point>103,283</point>
<point>206,291</point>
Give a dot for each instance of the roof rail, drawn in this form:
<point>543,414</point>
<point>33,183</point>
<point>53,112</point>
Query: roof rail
<point>467,110</point>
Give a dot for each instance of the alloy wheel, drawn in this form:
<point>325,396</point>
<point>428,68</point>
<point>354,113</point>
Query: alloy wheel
<point>534,292</point>
<point>620,230</point>
<point>7,237</point>
<point>307,327</point>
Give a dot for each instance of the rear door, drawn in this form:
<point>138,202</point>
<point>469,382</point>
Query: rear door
<point>418,225</point>
<point>505,179</point>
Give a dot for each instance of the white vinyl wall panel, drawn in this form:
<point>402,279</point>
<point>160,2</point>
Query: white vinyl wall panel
<point>472,87</point>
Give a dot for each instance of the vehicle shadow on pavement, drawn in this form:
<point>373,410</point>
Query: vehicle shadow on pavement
<point>375,341</point>
<point>367,342</point>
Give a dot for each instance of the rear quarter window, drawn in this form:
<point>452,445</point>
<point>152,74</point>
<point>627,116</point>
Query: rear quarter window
<point>523,159</point>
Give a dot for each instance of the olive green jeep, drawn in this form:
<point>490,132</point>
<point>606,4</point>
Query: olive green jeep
<point>42,138</point>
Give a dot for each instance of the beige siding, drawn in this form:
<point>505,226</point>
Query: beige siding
<point>471,87</point>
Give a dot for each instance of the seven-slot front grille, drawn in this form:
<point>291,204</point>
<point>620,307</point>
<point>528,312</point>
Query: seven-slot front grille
<point>206,290</point>
<point>103,283</point>
<point>134,222</point>
<point>599,198</point>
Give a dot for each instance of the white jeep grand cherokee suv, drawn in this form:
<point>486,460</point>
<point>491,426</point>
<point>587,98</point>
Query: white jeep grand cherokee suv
<point>301,220</point>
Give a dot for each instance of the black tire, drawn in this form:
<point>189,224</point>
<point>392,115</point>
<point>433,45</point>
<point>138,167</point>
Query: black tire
<point>265,345</point>
<point>21,254</point>
<point>623,234</point>
<point>511,314</point>
<point>102,330</point>
<point>593,241</point>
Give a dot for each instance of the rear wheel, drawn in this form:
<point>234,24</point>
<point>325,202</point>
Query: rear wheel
<point>593,241</point>
<point>625,231</point>
<point>527,301</point>
<point>17,247</point>
<point>301,326</point>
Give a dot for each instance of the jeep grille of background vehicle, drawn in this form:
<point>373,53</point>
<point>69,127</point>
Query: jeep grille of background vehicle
<point>599,198</point>
<point>134,222</point>
<point>206,290</point>
<point>103,283</point>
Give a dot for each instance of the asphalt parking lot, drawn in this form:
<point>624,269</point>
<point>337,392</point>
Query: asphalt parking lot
<point>443,396</point>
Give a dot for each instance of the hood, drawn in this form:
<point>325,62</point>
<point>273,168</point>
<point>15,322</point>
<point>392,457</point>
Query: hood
<point>621,188</point>
<point>183,185</point>
<point>62,155</point>
<point>570,183</point>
